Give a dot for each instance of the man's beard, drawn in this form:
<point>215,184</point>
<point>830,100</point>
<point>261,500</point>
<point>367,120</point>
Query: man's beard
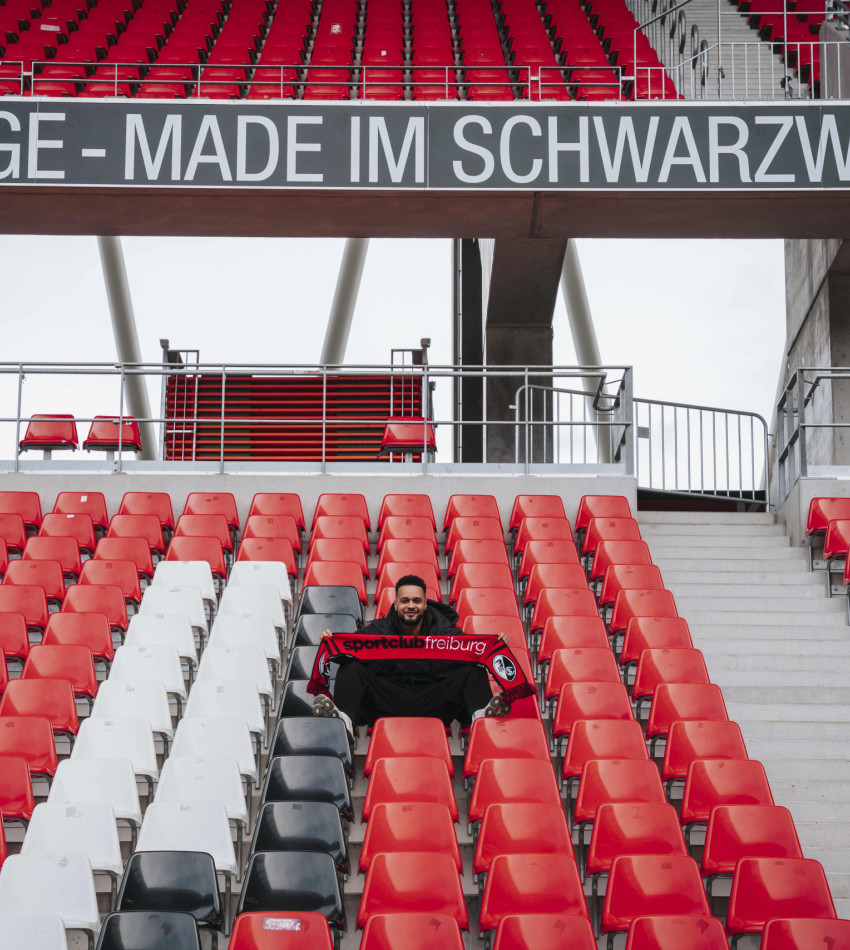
<point>413,622</point>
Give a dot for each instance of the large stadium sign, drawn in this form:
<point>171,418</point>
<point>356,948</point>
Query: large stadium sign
<point>297,145</point>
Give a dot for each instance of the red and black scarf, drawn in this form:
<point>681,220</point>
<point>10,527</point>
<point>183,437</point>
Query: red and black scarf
<point>488,651</point>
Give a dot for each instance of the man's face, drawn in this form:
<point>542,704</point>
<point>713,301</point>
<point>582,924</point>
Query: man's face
<point>410,604</point>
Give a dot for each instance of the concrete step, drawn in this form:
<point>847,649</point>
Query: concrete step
<point>834,835</point>
<point>750,581</point>
<point>747,569</point>
<point>746,618</point>
<point>781,606</point>
<point>708,530</point>
<point>745,592</point>
<point>787,665</point>
<point>824,792</point>
<point>786,749</point>
<point>766,701</point>
<point>705,517</point>
<point>813,770</point>
<point>788,645</point>
<point>678,538</point>
<point>680,550</point>
<point>702,628</point>
<point>780,680</point>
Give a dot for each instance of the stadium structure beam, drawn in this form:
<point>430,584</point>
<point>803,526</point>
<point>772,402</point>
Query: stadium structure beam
<point>126,337</point>
<point>581,327</point>
<point>520,286</point>
<point>345,300</point>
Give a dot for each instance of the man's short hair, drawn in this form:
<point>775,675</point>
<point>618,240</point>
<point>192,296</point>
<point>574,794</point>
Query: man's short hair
<point>410,580</point>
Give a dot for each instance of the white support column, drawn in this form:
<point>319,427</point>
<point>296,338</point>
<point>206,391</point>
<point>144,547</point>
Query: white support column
<point>126,337</point>
<point>345,300</point>
<point>582,329</point>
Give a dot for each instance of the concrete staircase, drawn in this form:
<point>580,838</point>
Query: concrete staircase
<point>780,650</point>
<point>749,72</point>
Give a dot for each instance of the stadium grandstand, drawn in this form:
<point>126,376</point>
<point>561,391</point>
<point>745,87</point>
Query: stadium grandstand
<point>671,580</point>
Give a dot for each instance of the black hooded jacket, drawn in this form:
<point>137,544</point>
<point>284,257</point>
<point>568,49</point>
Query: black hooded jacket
<point>439,619</point>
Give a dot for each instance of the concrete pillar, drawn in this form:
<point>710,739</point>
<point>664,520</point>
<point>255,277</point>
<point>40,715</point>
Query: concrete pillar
<point>468,349</point>
<point>345,300</point>
<point>126,337</point>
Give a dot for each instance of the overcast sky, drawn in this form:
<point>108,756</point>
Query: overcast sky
<point>701,321</point>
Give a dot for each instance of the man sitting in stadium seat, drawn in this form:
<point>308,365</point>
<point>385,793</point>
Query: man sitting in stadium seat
<point>364,692</point>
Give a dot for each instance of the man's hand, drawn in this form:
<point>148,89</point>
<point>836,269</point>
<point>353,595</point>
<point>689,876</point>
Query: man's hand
<point>326,633</point>
<point>503,637</point>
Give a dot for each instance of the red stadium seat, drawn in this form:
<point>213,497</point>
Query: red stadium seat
<point>411,932</point>
<point>601,739</point>
<point>409,826</point>
<point>472,576</point>
<point>470,506</point>
<point>90,503</point>
<point>111,434</point>
<point>511,627</point>
<point>31,738</point>
<point>600,506</point>
<point>531,884</point>
<point>746,831</point>
<point>541,529</point>
<point>835,547</point>
<point>273,503</point>
<point>642,885</point>
<point>14,638</point>
<point>392,573</point>
<point>336,574</point>
<point>589,700</point>
<point>13,532</point>
<point>413,527</point>
<point>672,701</point>
<point>205,503</point>
<point>27,504</point>
<point>546,552</point>
<point>105,599</point>
<point>45,574</point>
<point>76,526</point>
<point>492,551</point>
<point>654,633</point>
<point>695,739</point>
<point>88,630</point>
<point>409,779</point>
<point>672,933</point>
<point>766,888</point>
<point>535,506</point>
<point>799,933</point>
<point>122,574</point>
<point>273,527</point>
<point>553,931</point>
<point>486,600</point>
<point>149,503</point>
<point>824,510</point>
<point>406,435</point>
<point>621,577</point>
<point>200,549</point>
<point>504,739</point>
<point>408,736</point>
<point>63,550</point>
<point>136,550</point>
<point>544,576</point>
<point>54,430</point>
<point>520,828</point>
<point>267,549</point>
<point>52,699</point>
<point>608,529</point>
<point>343,526</point>
<point>16,798</point>
<point>251,930</point>
<point>205,526</point>
<point>340,550</point>
<point>400,550</point>
<point>27,600</point>
<point>580,665</point>
<point>472,529</point>
<point>712,782</point>
<point>618,552</point>
<point>148,527</point>
<point>512,780</point>
<point>413,883</point>
<point>640,603</point>
<point>406,506</point>
<point>339,505</point>
<point>71,663</point>
<point>667,665</point>
<point>562,602</point>
<point>564,633</point>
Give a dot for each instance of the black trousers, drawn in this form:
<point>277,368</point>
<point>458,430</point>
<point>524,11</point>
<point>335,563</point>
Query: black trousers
<point>366,697</point>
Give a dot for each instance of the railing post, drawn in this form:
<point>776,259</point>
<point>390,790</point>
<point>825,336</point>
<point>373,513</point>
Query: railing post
<point>801,422</point>
<point>121,422</point>
<point>527,422</point>
<point>223,396</point>
<point>630,423</point>
<point>425,422</point>
<point>325,413</point>
<point>18,417</point>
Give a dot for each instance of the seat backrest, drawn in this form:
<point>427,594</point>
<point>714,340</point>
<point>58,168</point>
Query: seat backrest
<point>164,930</point>
<point>295,881</point>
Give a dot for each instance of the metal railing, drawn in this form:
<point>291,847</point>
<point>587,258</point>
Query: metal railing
<point>702,451</point>
<point>808,439</point>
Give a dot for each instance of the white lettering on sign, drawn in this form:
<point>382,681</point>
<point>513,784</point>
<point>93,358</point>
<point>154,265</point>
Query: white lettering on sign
<point>414,139</point>
<point>209,130</point>
<point>36,144</point>
<point>828,132</point>
<point>505,149</point>
<point>784,124</point>
<point>12,149</point>
<point>483,153</point>
<point>355,150</point>
<point>294,147</point>
<point>715,149</point>
<point>136,133</point>
<point>626,133</point>
<point>242,123</point>
<point>681,129</point>
<point>582,147</point>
